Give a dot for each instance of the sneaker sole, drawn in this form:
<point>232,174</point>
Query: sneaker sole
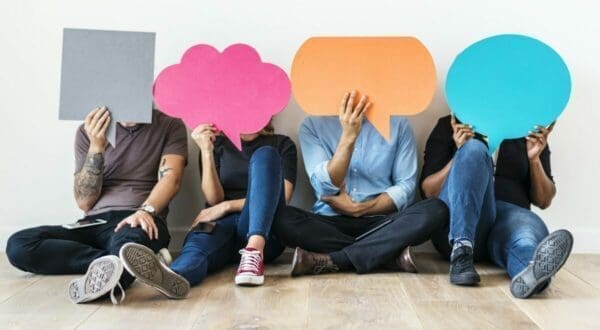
<point>550,255</point>
<point>143,263</point>
<point>102,275</point>
<point>465,280</point>
<point>249,280</point>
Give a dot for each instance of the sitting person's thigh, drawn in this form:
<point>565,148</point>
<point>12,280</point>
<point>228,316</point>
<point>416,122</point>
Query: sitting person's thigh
<point>128,234</point>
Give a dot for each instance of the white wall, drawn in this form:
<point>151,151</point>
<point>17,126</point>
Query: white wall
<point>37,157</point>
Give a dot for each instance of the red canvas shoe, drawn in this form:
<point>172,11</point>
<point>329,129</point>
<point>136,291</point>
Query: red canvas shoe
<point>251,269</point>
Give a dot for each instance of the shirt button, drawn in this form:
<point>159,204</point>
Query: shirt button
<point>353,170</point>
<point>353,189</point>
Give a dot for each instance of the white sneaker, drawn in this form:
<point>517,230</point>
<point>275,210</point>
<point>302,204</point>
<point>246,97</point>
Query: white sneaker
<point>144,264</point>
<point>102,277</point>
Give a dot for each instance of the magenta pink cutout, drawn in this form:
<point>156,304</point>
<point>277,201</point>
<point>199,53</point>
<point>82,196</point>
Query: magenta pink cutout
<point>233,90</point>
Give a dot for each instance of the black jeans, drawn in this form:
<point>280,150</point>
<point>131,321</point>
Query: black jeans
<point>53,250</point>
<point>331,234</point>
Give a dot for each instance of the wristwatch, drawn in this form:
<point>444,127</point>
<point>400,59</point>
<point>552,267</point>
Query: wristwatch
<point>148,209</point>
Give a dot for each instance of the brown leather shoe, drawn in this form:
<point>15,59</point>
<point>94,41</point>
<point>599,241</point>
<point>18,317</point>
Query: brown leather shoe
<point>403,263</point>
<point>309,263</point>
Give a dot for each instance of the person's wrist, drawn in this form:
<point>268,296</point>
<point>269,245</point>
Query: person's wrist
<point>148,209</point>
<point>535,160</point>
<point>226,206</point>
<point>207,157</point>
<point>348,136</point>
<point>96,148</point>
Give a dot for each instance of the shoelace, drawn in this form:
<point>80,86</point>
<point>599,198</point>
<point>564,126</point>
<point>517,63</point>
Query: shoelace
<point>113,299</point>
<point>250,261</point>
<point>322,266</point>
<point>463,263</point>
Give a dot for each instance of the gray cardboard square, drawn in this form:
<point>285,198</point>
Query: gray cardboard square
<point>107,68</point>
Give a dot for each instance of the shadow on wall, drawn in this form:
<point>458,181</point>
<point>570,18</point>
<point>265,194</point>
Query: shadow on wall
<point>189,201</point>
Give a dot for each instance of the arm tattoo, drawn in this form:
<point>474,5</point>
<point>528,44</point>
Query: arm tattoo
<point>88,182</point>
<point>163,170</point>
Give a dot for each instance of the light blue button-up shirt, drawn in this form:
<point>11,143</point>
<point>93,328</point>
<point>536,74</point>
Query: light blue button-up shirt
<point>377,166</point>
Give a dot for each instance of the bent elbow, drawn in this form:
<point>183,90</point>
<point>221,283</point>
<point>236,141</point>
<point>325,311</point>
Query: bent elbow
<point>213,200</point>
<point>544,205</point>
<point>428,192</point>
<point>177,185</point>
<point>85,205</point>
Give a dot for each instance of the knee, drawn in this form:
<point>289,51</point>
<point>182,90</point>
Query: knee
<point>521,223</point>
<point>265,153</point>
<point>437,212</point>
<point>128,235</point>
<point>473,150</point>
<point>16,250</point>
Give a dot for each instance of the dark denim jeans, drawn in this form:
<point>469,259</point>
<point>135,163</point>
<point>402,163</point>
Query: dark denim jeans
<point>337,234</point>
<point>55,250</point>
<point>502,232</point>
<point>204,253</point>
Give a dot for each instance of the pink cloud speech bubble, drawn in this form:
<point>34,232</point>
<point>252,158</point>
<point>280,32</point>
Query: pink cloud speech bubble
<point>234,90</point>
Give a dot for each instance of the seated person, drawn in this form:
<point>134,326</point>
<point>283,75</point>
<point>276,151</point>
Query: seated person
<point>361,181</point>
<point>129,186</point>
<point>490,216</point>
<point>245,193</point>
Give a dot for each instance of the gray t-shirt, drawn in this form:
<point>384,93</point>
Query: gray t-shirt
<point>131,169</point>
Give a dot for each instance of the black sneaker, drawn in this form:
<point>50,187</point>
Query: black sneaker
<point>550,255</point>
<point>462,270</point>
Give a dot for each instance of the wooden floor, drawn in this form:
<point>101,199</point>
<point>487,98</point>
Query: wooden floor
<point>384,300</point>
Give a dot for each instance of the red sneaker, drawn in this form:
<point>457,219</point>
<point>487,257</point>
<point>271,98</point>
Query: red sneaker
<point>251,269</point>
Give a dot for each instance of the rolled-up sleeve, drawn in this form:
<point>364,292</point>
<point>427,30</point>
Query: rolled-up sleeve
<point>404,173</point>
<point>316,157</point>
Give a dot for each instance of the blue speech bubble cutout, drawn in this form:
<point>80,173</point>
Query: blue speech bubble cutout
<point>505,85</point>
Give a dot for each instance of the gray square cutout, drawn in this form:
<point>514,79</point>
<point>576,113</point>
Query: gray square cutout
<point>107,68</point>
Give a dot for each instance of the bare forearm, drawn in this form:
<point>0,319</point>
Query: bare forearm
<point>234,205</point>
<point>542,189</point>
<point>380,205</point>
<point>162,193</point>
<point>88,182</point>
<point>432,185</point>
<point>211,186</point>
<point>338,165</point>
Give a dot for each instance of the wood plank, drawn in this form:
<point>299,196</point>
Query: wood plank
<point>351,301</point>
<point>586,267</point>
<point>279,304</point>
<point>384,300</point>
<point>441,305</point>
<point>569,303</point>
<point>144,307</point>
<point>13,280</point>
<point>43,305</point>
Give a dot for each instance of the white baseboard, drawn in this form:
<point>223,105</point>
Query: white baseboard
<point>586,239</point>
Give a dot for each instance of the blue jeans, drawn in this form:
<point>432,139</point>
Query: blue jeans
<point>204,253</point>
<point>514,237</point>
<point>469,194</point>
<point>502,232</point>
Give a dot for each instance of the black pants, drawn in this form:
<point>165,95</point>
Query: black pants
<point>332,234</point>
<point>53,250</point>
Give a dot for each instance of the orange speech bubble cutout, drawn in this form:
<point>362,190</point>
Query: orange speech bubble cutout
<point>397,73</point>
